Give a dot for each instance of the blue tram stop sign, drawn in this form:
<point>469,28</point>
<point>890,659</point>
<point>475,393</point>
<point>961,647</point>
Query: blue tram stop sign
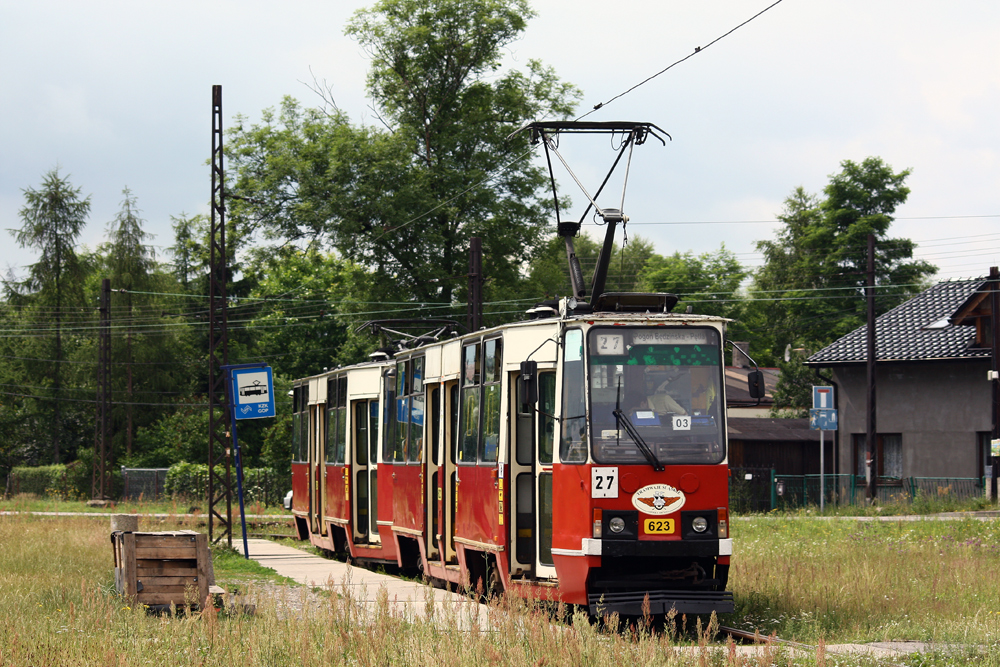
<point>253,392</point>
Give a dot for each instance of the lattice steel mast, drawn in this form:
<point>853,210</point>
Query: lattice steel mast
<point>219,477</point>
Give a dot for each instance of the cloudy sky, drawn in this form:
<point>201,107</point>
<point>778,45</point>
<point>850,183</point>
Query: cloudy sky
<point>118,94</point>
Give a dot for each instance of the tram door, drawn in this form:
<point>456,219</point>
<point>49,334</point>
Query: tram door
<point>365,458</point>
<point>317,454</point>
<point>531,470</point>
<point>448,471</point>
<point>434,473</point>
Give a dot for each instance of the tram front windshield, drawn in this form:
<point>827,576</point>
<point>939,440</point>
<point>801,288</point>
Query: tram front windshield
<point>667,382</point>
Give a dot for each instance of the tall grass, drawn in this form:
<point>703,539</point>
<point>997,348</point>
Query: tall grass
<point>850,580</point>
<point>58,609</point>
<point>28,502</point>
<point>840,580</point>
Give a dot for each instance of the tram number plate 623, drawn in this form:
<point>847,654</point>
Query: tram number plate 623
<point>658,526</point>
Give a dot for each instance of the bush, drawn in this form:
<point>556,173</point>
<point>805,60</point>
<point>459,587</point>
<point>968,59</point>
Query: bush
<point>188,482</point>
<point>72,481</point>
<point>39,480</point>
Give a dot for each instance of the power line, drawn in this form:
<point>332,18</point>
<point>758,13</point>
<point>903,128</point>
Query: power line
<point>697,49</point>
<point>777,221</point>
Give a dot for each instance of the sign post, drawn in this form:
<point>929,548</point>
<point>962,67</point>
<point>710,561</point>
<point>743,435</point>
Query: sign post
<point>251,396</point>
<point>822,417</point>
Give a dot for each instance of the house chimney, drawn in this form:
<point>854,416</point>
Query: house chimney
<point>740,358</point>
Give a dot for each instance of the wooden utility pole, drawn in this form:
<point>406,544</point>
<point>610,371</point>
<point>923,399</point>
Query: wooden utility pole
<point>994,287</point>
<point>871,436</point>
<point>101,479</point>
<point>474,317</point>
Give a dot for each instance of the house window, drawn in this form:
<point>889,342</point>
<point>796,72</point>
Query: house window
<point>891,452</point>
<point>983,458</point>
<point>888,454</point>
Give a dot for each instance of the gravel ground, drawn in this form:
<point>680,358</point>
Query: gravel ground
<point>287,599</point>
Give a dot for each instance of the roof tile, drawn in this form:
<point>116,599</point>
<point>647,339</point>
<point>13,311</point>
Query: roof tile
<point>902,334</point>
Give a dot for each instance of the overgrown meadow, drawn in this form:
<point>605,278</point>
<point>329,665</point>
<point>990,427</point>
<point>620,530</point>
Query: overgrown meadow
<point>813,580</point>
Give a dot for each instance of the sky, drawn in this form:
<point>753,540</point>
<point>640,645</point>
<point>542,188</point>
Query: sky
<point>117,94</point>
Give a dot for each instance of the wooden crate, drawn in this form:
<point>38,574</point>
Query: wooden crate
<point>159,568</point>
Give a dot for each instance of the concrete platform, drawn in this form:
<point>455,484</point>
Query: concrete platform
<point>405,598</point>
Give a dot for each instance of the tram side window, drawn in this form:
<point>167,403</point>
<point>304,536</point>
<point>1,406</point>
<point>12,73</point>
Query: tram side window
<point>479,439</point>
<point>408,416</point>
<point>336,421</point>
<point>373,430</point>
<point>468,442</point>
<point>304,425</point>
<point>415,444</point>
<point>389,417</point>
<point>401,415</point>
<point>361,434</point>
<point>546,416</point>
<point>298,442</point>
<point>573,443</point>
<point>492,373</point>
<point>453,413</point>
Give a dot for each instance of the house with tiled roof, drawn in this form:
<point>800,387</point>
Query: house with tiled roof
<point>933,398</point>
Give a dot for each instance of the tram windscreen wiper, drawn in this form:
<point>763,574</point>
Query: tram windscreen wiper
<point>622,419</point>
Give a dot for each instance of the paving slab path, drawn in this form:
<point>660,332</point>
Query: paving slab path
<point>405,598</point>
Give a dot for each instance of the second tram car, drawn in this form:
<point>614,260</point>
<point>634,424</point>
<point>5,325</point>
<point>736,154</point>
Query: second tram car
<point>579,456</point>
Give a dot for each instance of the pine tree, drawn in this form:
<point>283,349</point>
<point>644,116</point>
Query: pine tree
<point>54,217</point>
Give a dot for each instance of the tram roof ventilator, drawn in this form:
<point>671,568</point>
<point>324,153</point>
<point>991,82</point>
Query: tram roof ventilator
<point>395,337</point>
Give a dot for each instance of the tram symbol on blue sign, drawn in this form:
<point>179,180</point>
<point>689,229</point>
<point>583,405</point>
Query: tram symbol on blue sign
<point>254,397</point>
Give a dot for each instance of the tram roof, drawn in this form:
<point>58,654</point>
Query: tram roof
<point>584,318</point>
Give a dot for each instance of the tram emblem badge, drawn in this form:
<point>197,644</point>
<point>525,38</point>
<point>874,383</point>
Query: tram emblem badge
<point>658,499</point>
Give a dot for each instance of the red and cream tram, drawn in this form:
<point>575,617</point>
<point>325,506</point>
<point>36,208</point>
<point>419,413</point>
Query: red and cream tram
<point>578,456</point>
<point>595,475</point>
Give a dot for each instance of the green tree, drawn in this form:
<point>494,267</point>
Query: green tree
<point>132,263</point>
<point>189,251</point>
<point>294,310</point>
<point>53,218</point>
<point>793,394</point>
<point>709,282</point>
<point>404,201</point>
<point>809,288</point>
<point>548,274</point>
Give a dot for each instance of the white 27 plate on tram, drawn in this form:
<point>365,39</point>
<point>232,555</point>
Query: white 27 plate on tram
<point>604,482</point>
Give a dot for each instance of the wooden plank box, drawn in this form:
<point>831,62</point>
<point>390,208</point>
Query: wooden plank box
<point>159,569</point>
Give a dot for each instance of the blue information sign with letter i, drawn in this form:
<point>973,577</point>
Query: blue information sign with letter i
<point>253,392</point>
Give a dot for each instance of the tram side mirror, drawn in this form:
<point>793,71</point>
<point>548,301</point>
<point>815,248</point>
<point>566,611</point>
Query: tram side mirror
<point>528,383</point>
<point>755,380</point>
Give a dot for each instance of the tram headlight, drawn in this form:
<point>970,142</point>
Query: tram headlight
<point>616,524</point>
<point>699,524</point>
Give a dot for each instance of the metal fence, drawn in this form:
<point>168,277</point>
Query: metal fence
<point>143,483</point>
<point>762,490</point>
